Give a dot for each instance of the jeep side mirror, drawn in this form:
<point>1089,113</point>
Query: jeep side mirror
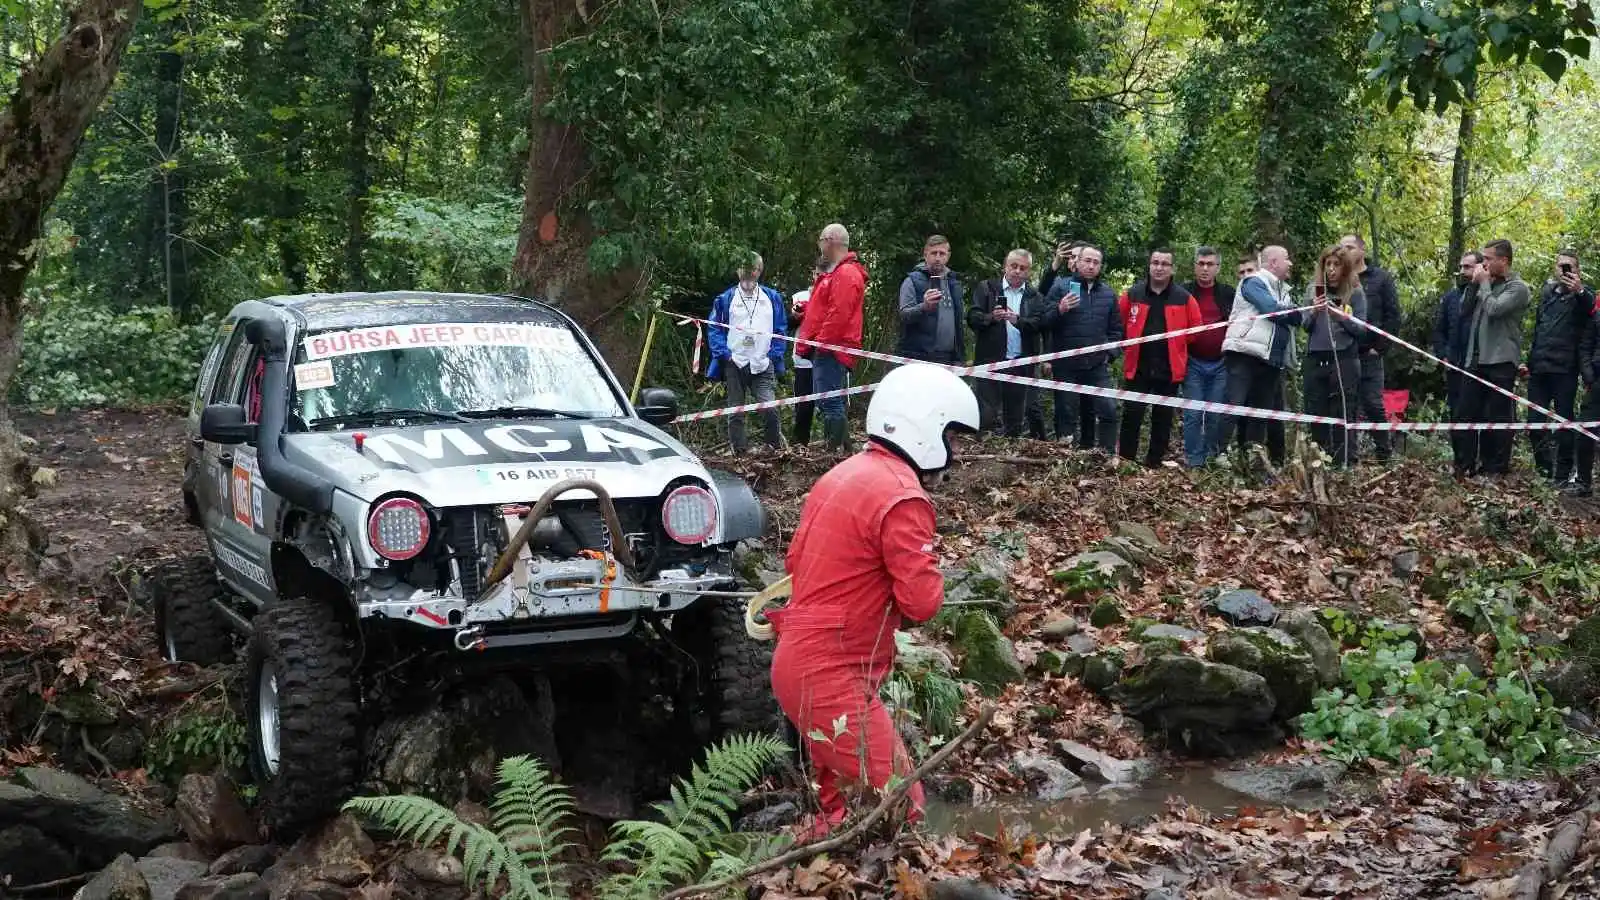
<point>224,423</point>
<point>658,406</point>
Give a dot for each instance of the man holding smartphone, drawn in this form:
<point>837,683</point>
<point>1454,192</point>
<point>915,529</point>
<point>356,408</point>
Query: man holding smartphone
<point>1492,306</point>
<point>1081,311</point>
<point>1004,319</point>
<point>931,310</point>
<point>1559,322</point>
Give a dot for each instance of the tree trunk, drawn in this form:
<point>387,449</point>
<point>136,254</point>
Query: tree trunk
<point>291,197</point>
<point>355,244</point>
<point>171,181</point>
<point>1460,170</point>
<point>1269,176</point>
<point>552,261</point>
<point>40,132</point>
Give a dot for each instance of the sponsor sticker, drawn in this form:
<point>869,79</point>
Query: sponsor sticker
<point>446,334</point>
<point>313,375</point>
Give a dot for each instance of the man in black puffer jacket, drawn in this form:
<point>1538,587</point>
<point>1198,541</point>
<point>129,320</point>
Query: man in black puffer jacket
<point>1383,310</point>
<point>1081,311</point>
<point>1589,370</point>
<point>1559,323</point>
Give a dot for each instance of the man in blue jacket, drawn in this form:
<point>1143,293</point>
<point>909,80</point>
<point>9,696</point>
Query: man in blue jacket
<point>746,350</point>
<point>1081,311</point>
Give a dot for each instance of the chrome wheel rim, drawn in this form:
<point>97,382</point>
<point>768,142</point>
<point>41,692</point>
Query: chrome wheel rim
<point>267,717</point>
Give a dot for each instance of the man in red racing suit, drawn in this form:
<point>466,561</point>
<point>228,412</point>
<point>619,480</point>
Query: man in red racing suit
<point>861,560</point>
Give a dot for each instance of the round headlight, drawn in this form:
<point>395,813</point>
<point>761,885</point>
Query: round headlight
<point>689,514</point>
<point>398,528</point>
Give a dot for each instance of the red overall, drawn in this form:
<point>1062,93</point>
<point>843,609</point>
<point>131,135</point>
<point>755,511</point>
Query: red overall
<point>861,559</point>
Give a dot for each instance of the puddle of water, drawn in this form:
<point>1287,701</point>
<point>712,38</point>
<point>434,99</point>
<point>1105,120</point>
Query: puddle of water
<point>1097,805</point>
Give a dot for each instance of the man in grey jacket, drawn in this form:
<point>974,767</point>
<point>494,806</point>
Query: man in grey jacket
<point>1492,306</point>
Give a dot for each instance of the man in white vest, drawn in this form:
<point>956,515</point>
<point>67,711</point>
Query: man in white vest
<point>1258,351</point>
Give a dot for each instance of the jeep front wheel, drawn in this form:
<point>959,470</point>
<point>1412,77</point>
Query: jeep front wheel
<point>734,670</point>
<point>188,626</point>
<point>304,721</point>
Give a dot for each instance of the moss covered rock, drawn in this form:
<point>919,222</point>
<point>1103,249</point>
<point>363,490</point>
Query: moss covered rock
<point>1205,708</point>
<point>987,657</point>
<point>1100,671</point>
<point>1106,612</point>
<point>1276,657</point>
<point>1302,625</point>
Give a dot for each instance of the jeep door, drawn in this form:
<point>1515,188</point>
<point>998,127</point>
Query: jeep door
<point>234,519</point>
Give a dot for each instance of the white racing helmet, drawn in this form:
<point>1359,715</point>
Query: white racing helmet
<point>913,406</point>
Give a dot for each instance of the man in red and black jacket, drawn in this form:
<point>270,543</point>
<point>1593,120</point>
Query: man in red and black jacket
<point>833,316</point>
<point>1154,306</point>
<point>1207,378</point>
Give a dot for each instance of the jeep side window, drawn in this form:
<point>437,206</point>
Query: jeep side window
<point>208,370</point>
<point>231,380</point>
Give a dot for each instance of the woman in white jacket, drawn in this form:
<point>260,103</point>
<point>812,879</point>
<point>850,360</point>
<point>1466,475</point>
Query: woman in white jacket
<point>1259,349</point>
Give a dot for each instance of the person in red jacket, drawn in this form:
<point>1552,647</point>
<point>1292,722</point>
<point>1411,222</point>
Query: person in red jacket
<point>833,316</point>
<point>862,560</point>
<point>1154,306</point>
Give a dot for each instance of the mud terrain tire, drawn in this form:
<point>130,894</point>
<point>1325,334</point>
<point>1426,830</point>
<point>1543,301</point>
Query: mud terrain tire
<point>733,670</point>
<point>188,627</point>
<point>300,662</point>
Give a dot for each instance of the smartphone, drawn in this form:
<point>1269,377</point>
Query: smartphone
<point>1566,268</point>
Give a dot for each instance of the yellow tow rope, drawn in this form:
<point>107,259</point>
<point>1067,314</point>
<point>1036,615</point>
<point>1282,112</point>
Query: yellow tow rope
<point>762,631</point>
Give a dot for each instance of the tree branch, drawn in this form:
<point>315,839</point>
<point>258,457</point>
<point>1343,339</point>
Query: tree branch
<point>889,801</point>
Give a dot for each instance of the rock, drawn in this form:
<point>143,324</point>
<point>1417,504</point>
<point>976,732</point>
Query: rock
<point>1572,683</point>
<point>1206,708</point>
<point>1468,658</point>
<point>100,826</point>
<point>965,889</point>
<point>1059,627</point>
<point>120,880</point>
<point>986,576</point>
<point>1164,631</point>
<point>1097,569</point>
<point>1132,551</point>
<point>210,813</point>
<point>239,886</point>
<point>1302,625</point>
<point>1244,607</point>
<point>1048,662</point>
<point>180,850</point>
<point>949,788</point>
<point>916,657</point>
<point>1290,784</point>
<point>1405,564</point>
<point>770,818</point>
<point>255,858</point>
<point>29,856</point>
<point>1105,613</point>
<point>432,866</point>
<point>1082,644</point>
<point>1140,534</point>
<point>334,853</point>
<point>1046,777</point>
<point>166,875</point>
<point>1093,765</point>
<point>987,657</point>
<point>1318,585</point>
<point>1100,671</point>
<point>1583,642</point>
<point>1276,657</point>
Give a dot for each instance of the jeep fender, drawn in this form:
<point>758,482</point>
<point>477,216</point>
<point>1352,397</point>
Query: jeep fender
<point>314,561</point>
<point>743,516</point>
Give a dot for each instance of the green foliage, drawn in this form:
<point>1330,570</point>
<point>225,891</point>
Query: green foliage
<point>77,353</point>
<point>450,245</point>
<point>1447,720</point>
<point>932,697</point>
<point>523,845</point>
<point>693,839</point>
<point>200,740</point>
<point>1433,52</point>
<point>685,842</point>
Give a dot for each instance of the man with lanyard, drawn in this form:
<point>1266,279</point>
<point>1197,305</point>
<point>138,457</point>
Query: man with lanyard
<point>862,560</point>
<point>746,352</point>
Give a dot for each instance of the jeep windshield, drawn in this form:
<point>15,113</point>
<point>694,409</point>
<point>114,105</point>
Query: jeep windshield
<point>447,371</point>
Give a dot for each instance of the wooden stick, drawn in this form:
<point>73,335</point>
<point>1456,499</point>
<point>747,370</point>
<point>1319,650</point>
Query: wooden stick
<point>48,885</point>
<point>807,851</point>
<point>1012,460</point>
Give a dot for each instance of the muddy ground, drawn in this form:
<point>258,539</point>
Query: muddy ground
<point>114,507</point>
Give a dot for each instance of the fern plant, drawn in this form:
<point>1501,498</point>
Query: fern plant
<point>694,839</point>
<point>526,839</point>
<point>695,829</point>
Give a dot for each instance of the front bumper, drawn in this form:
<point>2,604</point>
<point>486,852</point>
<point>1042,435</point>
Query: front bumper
<point>545,601</point>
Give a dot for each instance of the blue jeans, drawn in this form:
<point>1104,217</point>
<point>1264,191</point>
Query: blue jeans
<point>828,374</point>
<point>1206,381</point>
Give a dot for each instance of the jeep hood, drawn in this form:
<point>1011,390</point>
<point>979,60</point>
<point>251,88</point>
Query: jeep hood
<point>496,460</point>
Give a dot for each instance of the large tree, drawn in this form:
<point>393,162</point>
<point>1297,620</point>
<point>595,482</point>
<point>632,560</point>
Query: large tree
<point>40,130</point>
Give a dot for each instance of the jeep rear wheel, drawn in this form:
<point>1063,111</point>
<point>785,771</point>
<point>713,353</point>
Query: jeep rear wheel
<point>734,671</point>
<point>304,721</point>
<point>188,627</point>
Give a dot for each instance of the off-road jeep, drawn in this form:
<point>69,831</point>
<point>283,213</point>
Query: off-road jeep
<point>462,473</point>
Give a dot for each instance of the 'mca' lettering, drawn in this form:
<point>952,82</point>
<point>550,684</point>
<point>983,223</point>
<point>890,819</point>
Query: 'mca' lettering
<point>521,439</point>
